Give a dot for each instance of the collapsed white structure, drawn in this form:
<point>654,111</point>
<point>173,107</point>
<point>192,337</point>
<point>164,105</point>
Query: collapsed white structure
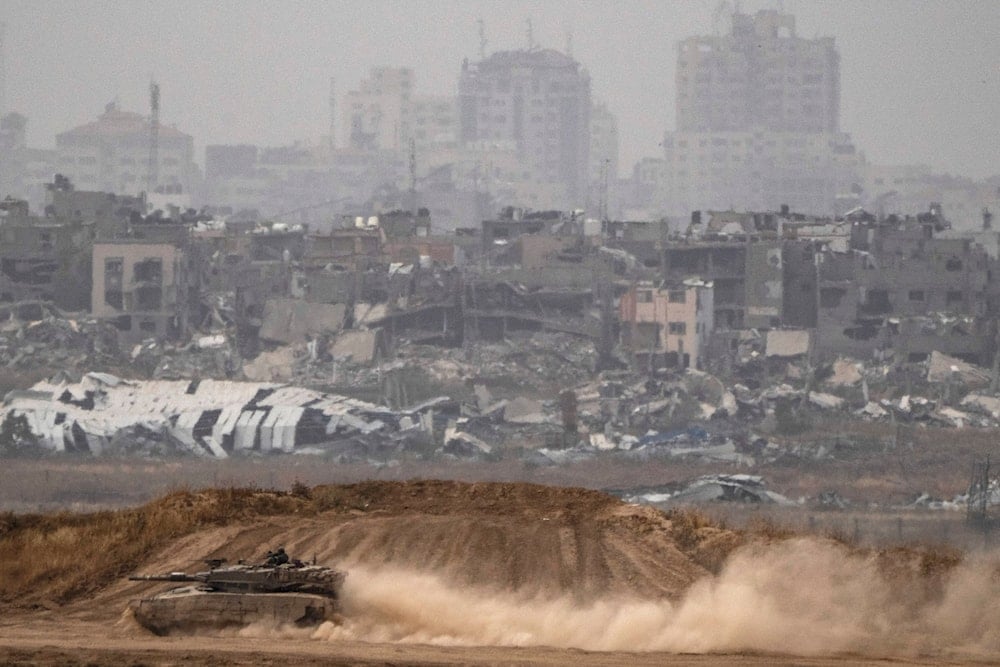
<point>206,417</point>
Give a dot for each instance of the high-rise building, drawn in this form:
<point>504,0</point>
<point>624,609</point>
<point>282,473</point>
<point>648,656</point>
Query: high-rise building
<point>376,115</point>
<point>12,146</point>
<point>536,101</point>
<point>760,76</point>
<point>603,154</point>
<point>758,123</point>
<point>24,172</point>
<point>112,153</point>
<point>3,71</point>
<point>433,122</point>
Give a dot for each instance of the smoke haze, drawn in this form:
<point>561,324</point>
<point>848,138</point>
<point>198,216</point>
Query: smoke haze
<point>920,85</point>
<point>802,596</point>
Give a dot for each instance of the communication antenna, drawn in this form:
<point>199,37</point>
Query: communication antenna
<point>531,36</point>
<point>333,114</point>
<point>482,39</point>
<point>3,70</point>
<point>605,165</point>
<point>154,136</point>
<point>413,176</point>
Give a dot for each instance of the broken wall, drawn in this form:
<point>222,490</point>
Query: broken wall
<point>724,264</point>
<point>293,321</point>
<point>142,288</point>
<point>800,293</point>
<point>764,285</point>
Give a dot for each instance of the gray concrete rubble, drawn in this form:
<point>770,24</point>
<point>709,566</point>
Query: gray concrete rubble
<point>943,369</point>
<point>34,334</point>
<point>707,489</point>
<point>295,320</point>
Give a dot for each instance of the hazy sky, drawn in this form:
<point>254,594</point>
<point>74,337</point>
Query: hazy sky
<point>920,80</point>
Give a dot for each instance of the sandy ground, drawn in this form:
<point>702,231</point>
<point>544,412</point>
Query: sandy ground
<point>37,642</point>
<point>443,573</point>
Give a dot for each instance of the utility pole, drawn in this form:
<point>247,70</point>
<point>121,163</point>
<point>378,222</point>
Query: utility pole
<point>605,166</point>
<point>3,70</point>
<point>482,39</point>
<point>153,173</point>
<point>333,115</point>
<point>413,176</point>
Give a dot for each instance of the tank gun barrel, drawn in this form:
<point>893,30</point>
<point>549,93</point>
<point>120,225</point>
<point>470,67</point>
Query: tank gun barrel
<point>172,576</point>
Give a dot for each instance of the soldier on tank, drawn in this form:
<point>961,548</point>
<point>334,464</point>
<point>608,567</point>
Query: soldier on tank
<point>278,557</point>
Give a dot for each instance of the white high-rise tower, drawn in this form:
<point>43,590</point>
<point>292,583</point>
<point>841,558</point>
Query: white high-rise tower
<point>3,72</point>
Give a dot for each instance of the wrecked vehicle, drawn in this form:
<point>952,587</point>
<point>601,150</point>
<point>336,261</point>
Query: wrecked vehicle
<point>240,595</point>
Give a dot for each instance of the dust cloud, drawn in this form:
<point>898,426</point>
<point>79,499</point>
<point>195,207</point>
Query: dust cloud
<point>802,596</point>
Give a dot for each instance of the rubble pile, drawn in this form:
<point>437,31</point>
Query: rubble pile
<point>485,400</point>
<point>36,335</point>
<point>706,489</point>
<point>533,363</point>
<point>212,356</point>
<point>529,365</point>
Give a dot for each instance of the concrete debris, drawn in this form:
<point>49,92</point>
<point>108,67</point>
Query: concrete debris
<point>601,442</point>
<point>953,417</point>
<point>708,489</point>
<point>35,335</point>
<point>873,410</point>
<point>525,411</point>
<point>294,321</point>
<point>368,314</point>
<point>358,346</point>
<point>846,373</point>
<point>212,342</point>
<point>944,370</point>
<point>826,401</point>
<point>271,366</point>
<point>787,343</point>
<point>465,445</point>
<point>179,362</point>
<point>989,405</point>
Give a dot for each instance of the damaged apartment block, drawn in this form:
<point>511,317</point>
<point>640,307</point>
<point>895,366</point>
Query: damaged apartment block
<point>144,288</point>
<point>907,290</point>
<point>863,287</point>
<point>667,325</point>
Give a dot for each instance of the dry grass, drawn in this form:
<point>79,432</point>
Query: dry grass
<point>687,526</point>
<point>60,556</point>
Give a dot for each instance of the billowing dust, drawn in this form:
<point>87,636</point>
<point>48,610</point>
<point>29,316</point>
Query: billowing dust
<point>800,596</point>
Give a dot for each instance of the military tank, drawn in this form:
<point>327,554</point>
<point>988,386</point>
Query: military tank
<point>224,596</point>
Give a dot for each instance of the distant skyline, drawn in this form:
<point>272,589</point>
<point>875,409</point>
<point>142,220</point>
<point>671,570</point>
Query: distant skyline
<point>920,81</point>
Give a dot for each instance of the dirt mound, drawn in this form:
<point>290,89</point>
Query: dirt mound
<point>526,565</point>
<point>521,538</point>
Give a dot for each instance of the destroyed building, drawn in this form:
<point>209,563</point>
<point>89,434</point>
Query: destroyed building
<point>48,257</point>
<point>667,325</point>
<point>908,291</point>
<point>143,287</point>
<point>864,287</point>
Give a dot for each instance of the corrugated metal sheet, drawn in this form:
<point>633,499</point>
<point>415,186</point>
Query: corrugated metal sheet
<point>208,417</point>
